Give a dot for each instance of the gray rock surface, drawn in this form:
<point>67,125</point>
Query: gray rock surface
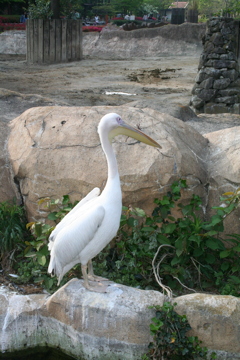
<point>184,39</point>
<point>13,42</point>
<point>83,324</point>
<point>113,325</point>
<point>56,151</point>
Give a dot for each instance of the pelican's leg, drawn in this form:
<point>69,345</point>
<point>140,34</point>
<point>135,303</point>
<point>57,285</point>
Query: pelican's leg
<point>85,277</point>
<point>97,288</point>
<point>91,275</point>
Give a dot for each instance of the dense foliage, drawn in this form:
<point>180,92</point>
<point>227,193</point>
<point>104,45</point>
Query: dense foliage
<point>170,340</point>
<point>13,233</point>
<point>186,250</point>
<point>41,9</point>
<point>138,7</point>
<point>181,252</point>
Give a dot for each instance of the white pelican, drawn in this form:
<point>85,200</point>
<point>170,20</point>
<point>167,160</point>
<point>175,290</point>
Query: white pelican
<point>95,220</point>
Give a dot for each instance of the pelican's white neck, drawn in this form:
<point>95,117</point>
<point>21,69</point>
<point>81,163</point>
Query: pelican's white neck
<point>109,153</point>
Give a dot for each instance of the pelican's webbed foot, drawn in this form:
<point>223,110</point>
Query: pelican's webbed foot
<point>91,276</point>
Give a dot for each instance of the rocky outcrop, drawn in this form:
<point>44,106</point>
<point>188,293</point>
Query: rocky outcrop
<point>83,324</point>
<point>214,318</point>
<point>217,88</point>
<point>113,325</point>
<point>56,151</point>
<point>223,170</point>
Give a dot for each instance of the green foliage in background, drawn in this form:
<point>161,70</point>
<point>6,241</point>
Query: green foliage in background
<point>173,247</point>
<point>12,232</point>
<point>137,7</point>
<point>192,252</point>
<point>40,9</point>
<point>33,267</point>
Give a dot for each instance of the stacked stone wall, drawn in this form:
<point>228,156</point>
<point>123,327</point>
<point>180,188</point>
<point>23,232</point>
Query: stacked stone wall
<point>217,87</point>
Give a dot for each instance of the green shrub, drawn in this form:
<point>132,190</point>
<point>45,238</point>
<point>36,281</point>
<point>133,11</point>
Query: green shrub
<point>170,340</point>
<point>12,232</point>
<point>186,250</point>
<point>41,9</point>
<point>36,253</point>
<point>183,252</point>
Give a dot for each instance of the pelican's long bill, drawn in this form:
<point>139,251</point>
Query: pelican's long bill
<point>125,129</point>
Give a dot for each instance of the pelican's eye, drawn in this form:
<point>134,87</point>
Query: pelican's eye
<point>119,120</point>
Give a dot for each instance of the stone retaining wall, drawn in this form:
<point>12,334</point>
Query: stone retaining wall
<point>182,39</point>
<point>217,88</point>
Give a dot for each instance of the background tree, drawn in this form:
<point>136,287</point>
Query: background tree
<point>102,10</point>
<point>55,7</point>
<point>219,7</point>
<point>126,6</point>
<point>232,8</point>
<point>12,6</point>
<point>209,8</point>
<point>194,4</point>
<point>68,8</point>
<point>45,9</point>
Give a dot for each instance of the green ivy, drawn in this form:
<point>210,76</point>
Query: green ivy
<point>36,253</point>
<point>192,252</point>
<point>181,251</point>
<point>170,341</point>
<point>12,232</point>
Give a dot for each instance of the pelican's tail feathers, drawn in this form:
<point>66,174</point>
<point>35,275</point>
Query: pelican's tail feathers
<point>55,269</point>
<point>51,267</point>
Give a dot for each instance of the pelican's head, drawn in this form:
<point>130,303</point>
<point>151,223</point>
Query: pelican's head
<point>113,125</point>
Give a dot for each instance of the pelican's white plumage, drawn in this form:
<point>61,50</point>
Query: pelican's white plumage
<point>94,221</point>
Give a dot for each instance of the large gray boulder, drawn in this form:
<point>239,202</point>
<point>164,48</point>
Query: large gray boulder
<point>214,318</point>
<point>56,151</point>
<point>83,324</point>
<point>224,170</point>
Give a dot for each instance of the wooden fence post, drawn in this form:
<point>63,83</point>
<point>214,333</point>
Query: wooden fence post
<point>53,41</point>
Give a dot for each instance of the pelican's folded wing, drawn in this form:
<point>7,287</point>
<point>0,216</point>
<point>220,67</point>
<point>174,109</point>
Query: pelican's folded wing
<point>72,214</point>
<point>72,239</point>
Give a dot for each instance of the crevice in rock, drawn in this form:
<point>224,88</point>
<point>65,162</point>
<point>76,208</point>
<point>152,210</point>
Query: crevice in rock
<point>17,183</point>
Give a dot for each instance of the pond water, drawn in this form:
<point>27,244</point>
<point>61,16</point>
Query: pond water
<point>38,353</point>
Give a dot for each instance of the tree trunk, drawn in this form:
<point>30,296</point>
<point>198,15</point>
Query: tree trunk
<point>55,6</point>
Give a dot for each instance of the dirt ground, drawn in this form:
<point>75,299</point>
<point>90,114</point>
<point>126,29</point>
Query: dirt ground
<point>154,82</point>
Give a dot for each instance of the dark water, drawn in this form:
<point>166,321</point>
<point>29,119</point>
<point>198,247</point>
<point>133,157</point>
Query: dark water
<point>38,353</point>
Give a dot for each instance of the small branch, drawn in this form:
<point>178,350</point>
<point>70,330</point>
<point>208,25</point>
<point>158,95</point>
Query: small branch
<point>183,285</point>
<point>156,271</point>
